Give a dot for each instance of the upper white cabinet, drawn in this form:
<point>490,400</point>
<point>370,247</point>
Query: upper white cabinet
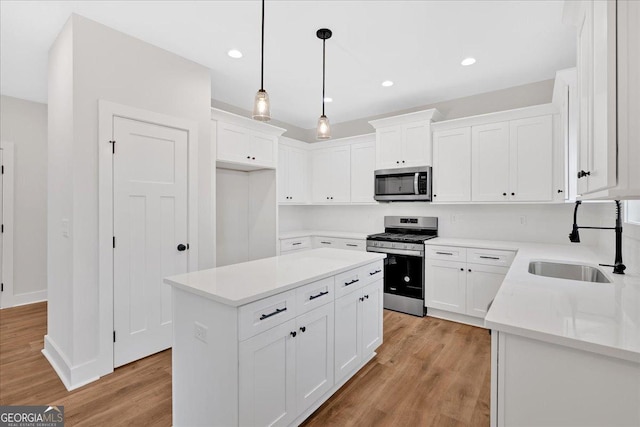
<point>608,43</point>
<point>331,174</point>
<point>404,141</point>
<point>363,164</point>
<point>293,171</point>
<point>245,144</point>
<point>509,156</point>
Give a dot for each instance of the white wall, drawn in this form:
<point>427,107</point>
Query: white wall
<point>542,223</point>
<point>25,124</point>
<point>88,62</point>
<point>232,216</point>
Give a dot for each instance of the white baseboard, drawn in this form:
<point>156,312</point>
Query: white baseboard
<point>455,317</point>
<point>29,298</point>
<point>72,377</point>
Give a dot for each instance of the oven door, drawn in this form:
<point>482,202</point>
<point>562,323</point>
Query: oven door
<point>403,275</point>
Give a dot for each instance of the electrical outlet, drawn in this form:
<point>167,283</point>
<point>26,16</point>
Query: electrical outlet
<point>200,331</point>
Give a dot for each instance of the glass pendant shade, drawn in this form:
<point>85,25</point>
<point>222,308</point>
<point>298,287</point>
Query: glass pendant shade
<point>261,107</point>
<point>324,128</point>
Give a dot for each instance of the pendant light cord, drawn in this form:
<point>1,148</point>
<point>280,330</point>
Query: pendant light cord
<point>323,60</point>
<point>262,59</point>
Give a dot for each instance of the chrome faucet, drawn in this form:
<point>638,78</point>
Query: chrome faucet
<point>574,236</point>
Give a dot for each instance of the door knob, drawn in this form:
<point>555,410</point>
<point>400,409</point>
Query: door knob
<point>181,247</point>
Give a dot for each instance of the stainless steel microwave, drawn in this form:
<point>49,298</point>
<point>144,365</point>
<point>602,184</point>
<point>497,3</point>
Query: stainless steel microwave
<point>403,184</point>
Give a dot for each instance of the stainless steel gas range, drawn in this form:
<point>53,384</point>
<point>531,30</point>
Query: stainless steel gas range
<point>403,242</point>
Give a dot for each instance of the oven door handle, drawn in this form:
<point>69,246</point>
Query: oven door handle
<point>396,251</point>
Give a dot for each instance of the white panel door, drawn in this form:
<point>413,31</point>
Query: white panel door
<point>452,165</point>
<point>531,163</point>
<point>150,221</point>
<point>314,356</point>
<point>445,285</point>
<point>389,147</point>
<point>348,334</point>
<point>490,162</point>
<point>363,164</point>
<point>340,174</point>
<point>483,283</point>
<point>416,144</point>
<point>371,317</point>
<point>297,175</point>
<point>267,377</point>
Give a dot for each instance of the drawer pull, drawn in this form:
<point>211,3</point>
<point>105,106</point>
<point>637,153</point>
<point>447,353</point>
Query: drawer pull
<point>444,253</point>
<point>352,245</point>
<point>351,282</point>
<point>278,310</point>
<point>296,243</point>
<point>489,257</point>
<point>312,297</point>
<point>374,272</point>
<point>326,243</point>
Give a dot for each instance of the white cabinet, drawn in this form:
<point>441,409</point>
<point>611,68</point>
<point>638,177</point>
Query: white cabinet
<point>331,175</point>
<point>358,326</point>
<point>483,283</point>
<point>445,285</point>
<point>452,173</point>
<point>295,244</point>
<point>292,174</point>
<point>363,164</point>
<point>404,141</point>
<point>531,159</point>
<point>338,243</point>
<point>490,157</point>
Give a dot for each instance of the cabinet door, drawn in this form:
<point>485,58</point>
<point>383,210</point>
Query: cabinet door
<point>483,282</point>
<point>531,163</point>
<point>389,147</point>
<point>363,163</point>
<point>348,335</point>
<point>584,67</point>
<point>283,173</point>
<point>416,144</point>
<point>490,160</point>
<point>340,174</point>
<point>445,285</point>
<point>297,177</point>
<point>232,143</point>
<point>267,377</point>
<point>371,317</point>
<point>261,149</point>
<point>314,356</point>
<point>321,175</point>
<point>452,165</point>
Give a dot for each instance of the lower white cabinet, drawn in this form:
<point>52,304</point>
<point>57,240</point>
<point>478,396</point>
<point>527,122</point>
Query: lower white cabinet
<point>358,327</point>
<point>445,285</point>
<point>483,283</point>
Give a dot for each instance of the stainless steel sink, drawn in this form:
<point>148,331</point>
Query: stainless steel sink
<point>583,273</point>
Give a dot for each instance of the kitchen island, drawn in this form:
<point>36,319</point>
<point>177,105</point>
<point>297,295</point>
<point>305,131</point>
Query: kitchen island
<point>266,342</point>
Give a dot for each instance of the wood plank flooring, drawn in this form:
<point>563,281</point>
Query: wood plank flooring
<point>428,372</point>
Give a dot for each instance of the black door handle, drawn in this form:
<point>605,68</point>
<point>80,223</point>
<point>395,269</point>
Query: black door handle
<point>303,328</point>
<point>181,247</point>
<point>582,174</point>
<point>293,334</point>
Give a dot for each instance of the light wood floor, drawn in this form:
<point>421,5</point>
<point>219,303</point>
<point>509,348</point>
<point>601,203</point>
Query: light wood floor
<point>428,372</point>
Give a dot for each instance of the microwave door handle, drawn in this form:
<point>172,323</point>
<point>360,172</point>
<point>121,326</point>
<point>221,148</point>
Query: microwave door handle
<point>415,183</point>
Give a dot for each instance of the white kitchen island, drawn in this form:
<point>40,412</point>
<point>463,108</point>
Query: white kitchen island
<point>266,342</point>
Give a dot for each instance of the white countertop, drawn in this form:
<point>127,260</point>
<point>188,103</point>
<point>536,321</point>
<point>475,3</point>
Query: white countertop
<point>337,234</point>
<point>240,284</point>
<point>599,317</point>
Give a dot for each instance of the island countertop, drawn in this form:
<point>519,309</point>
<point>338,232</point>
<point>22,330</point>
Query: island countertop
<point>242,283</point>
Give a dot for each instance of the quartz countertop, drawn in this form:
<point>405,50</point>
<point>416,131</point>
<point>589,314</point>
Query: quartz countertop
<point>242,283</point>
<point>336,234</point>
<point>598,317</point>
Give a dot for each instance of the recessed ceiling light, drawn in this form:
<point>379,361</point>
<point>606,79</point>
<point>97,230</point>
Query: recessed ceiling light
<point>235,54</point>
<point>328,99</point>
<point>387,83</point>
<point>468,61</point>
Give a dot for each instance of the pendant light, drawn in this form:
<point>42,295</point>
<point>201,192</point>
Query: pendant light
<point>261,107</point>
<point>324,128</point>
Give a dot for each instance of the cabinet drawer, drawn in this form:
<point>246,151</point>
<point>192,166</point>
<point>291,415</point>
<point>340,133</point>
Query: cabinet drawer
<point>446,253</point>
<point>325,242</point>
<point>266,313</point>
<point>295,244</point>
<point>352,244</point>
<point>314,295</point>
<point>354,279</point>
<point>490,257</point>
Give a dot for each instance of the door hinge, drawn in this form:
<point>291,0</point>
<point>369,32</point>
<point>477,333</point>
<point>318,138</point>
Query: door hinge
<point>113,147</point>
<point>114,242</point>
<point>114,336</point>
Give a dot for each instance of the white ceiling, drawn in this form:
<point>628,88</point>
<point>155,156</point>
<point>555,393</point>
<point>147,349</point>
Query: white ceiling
<point>416,44</point>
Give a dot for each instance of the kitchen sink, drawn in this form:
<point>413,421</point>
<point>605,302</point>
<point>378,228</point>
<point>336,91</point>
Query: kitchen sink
<point>583,273</point>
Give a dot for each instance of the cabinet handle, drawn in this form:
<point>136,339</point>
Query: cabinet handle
<point>303,328</point>
<point>435,195</point>
<point>403,161</point>
<point>582,174</point>
<point>361,299</point>
<point>469,270</point>
<point>374,272</point>
<point>489,257</point>
<point>351,282</point>
<point>327,197</point>
<point>278,310</point>
<point>444,253</point>
<point>513,194</point>
<point>366,296</point>
<point>461,269</point>
<point>398,162</point>
<point>392,289</point>
<point>331,197</point>
<point>326,243</point>
<point>253,158</point>
<point>296,243</point>
<point>312,297</point>
<point>249,157</point>
<point>504,194</point>
<point>352,245</point>
<point>293,334</point>
<point>560,191</point>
